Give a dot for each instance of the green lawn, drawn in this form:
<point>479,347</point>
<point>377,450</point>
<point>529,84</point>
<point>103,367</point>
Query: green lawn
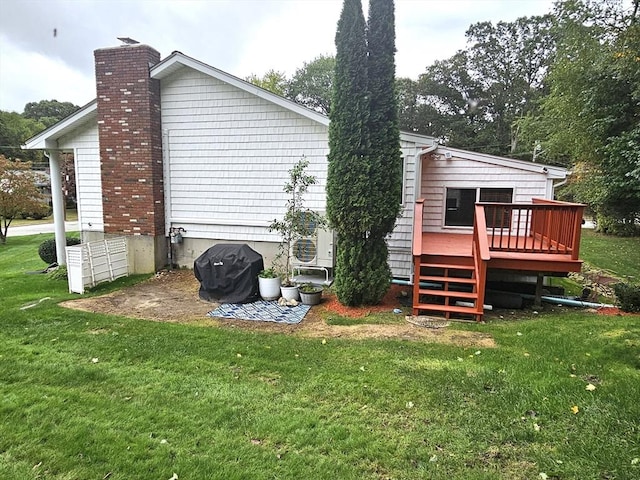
<point>71,216</point>
<point>88,396</point>
<point>620,256</point>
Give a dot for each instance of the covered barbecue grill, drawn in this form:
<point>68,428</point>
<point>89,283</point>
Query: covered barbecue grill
<point>228,273</point>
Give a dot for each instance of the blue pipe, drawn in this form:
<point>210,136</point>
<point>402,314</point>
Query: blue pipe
<point>399,281</point>
<point>567,301</point>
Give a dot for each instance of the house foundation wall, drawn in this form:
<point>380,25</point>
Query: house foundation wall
<point>186,252</point>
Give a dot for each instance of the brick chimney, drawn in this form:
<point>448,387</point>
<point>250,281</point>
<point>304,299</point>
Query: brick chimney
<point>131,151</point>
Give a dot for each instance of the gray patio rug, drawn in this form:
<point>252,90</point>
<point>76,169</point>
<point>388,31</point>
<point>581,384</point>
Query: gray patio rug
<point>261,310</point>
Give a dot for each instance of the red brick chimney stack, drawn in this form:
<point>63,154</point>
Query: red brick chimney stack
<point>130,140</point>
<point>131,147</point>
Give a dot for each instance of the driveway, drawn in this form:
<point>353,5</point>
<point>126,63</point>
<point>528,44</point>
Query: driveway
<point>40,228</point>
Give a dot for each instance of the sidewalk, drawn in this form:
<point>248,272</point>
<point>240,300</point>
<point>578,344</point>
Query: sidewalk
<point>41,228</point>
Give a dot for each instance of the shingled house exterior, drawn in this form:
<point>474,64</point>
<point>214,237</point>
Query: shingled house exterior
<point>176,143</point>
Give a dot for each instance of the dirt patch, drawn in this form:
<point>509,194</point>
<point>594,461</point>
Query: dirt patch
<point>173,297</point>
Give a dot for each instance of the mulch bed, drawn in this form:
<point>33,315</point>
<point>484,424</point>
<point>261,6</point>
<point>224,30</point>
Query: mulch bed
<point>390,301</point>
<point>614,311</point>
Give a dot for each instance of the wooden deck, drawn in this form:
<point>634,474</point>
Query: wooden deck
<point>450,269</point>
<point>503,257</point>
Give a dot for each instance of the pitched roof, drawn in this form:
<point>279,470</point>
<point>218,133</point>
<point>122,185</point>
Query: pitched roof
<point>178,60</point>
<point>47,139</point>
<point>174,62</point>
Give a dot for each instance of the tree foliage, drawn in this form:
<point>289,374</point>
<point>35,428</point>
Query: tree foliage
<point>365,167</point>
<point>14,130</point>
<point>48,112</point>
<point>297,221</point>
<point>474,99</point>
<point>591,116</point>
<point>274,81</point>
<point>18,193</point>
<point>347,180</point>
<point>385,159</point>
<point>311,85</point>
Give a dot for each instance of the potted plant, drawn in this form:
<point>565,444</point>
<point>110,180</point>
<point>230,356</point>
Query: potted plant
<point>310,294</point>
<point>269,284</point>
<point>294,224</point>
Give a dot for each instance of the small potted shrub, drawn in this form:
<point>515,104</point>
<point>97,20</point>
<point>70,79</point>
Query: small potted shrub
<point>310,294</point>
<point>294,224</point>
<point>269,284</point>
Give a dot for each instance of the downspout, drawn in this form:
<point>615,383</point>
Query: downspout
<point>57,201</point>
<point>416,187</point>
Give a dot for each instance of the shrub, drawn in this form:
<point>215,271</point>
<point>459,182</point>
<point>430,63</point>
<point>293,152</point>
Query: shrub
<point>58,273</point>
<point>47,249</point>
<point>628,296</point>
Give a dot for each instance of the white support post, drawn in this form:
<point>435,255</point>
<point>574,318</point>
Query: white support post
<point>57,200</point>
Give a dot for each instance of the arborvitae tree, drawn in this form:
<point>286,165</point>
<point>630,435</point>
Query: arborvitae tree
<point>348,176</point>
<point>364,182</point>
<point>385,197</point>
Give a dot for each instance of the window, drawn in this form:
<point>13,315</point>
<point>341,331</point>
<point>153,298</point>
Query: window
<point>460,204</point>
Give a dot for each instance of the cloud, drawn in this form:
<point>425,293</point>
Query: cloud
<point>34,77</point>
<point>240,37</point>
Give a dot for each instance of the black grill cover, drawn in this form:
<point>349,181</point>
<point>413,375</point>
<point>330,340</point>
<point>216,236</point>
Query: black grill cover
<point>228,273</point>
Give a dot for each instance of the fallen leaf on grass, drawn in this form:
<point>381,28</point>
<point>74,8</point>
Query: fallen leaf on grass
<point>591,387</point>
<point>575,409</point>
<point>543,476</point>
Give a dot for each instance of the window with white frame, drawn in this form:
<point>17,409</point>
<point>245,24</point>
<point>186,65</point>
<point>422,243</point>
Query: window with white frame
<point>460,203</point>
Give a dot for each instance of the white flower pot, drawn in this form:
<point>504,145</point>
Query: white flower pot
<point>290,293</point>
<point>269,288</point>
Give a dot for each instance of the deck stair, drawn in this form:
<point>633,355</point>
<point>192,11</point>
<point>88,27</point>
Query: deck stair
<point>443,281</point>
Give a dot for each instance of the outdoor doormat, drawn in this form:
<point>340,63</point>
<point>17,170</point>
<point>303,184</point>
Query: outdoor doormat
<point>262,311</point>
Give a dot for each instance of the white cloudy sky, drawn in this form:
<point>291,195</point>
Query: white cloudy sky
<point>240,37</point>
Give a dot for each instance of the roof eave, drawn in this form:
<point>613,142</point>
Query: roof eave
<point>550,171</point>
<point>48,139</point>
<point>171,64</point>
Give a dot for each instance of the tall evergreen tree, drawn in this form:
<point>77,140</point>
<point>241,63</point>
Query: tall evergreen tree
<point>385,159</point>
<point>365,166</point>
<point>347,175</point>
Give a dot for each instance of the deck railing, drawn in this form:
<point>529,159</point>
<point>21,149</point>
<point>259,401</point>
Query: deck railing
<point>481,254</point>
<point>545,226</point>
<point>417,227</point>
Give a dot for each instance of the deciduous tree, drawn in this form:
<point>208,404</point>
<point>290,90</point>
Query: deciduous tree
<point>274,81</point>
<point>18,193</point>
<point>592,113</point>
<point>311,85</point>
<point>48,112</point>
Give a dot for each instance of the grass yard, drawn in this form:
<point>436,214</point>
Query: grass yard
<point>618,255</point>
<point>89,396</point>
